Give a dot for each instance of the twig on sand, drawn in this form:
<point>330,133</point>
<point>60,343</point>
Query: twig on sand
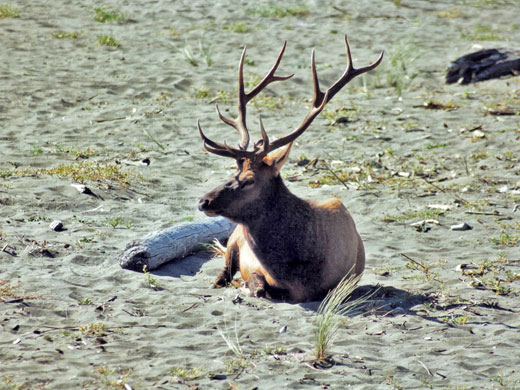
<point>459,198</point>
<point>8,249</point>
<point>110,119</point>
<point>422,266</point>
<point>154,140</point>
<point>334,174</point>
<point>494,212</point>
<point>190,307</point>
<point>426,368</point>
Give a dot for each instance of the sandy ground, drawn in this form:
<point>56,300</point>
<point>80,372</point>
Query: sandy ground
<point>122,121</point>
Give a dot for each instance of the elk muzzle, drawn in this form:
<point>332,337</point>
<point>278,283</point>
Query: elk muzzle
<point>217,200</point>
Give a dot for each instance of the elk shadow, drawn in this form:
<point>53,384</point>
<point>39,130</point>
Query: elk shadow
<point>386,300</point>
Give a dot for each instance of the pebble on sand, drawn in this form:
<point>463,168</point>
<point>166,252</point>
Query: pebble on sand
<point>57,226</point>
<point>461,227</point>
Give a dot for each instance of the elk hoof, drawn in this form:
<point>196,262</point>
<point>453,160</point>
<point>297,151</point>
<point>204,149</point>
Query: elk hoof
<point>258,293</point>
<point>220,282</point>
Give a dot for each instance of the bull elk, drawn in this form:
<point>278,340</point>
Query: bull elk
<point>284,247</point>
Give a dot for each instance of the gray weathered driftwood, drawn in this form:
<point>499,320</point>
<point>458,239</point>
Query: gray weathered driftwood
<point>160,247</point>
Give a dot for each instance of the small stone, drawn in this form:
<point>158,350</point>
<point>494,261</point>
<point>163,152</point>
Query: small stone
<point>57,226</point>
<point>82,189</point>
<point>424,222</point>
<point>461,227</point>
<point>442,207</point>
<point>479,134</point>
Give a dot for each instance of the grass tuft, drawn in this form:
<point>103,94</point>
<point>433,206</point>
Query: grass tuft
<point>65,35</point>
<point>482,32</point>
<point>104,15</point>
<point>205,54</point>
<point>93,330</point>
<point>400,75</point>
<point>150,280</point>
<point>187,374</point>
<point>239,28</point>
<point>107,40</point>
<point>233,345</point>
<point>330,314</point>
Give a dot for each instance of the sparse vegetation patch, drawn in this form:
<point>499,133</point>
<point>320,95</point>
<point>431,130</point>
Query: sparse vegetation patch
<point>82,172</point>
<point>273,10</point>
<point>65,35</point>
<point>8,11</point>
<point>104,15</point>
<point>107,40</point>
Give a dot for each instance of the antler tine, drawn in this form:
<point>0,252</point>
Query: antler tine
<point>320,98</point>
<point>222,149</point>
<point>212,146</point>
<point>224,119</point>
<point>265,138</point>
<point>318,95</point>
<point>351,72</point>
<point>242,102</point>
<point>239,123</point>
<point>269,77</point>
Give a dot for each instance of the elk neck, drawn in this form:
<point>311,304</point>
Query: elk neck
<point>278,218</point>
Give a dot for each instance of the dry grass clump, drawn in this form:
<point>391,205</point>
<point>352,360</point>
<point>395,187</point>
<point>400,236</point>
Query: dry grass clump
<point>7,11</point>
<point>10,292</point>
<point>331,312</point>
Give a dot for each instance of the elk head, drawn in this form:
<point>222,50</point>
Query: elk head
<point>258,170</point>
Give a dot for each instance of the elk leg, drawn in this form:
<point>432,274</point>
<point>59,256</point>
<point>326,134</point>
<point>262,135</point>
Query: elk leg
<point>230,268</point>
<point>257,285</point>
<point>259,288</point>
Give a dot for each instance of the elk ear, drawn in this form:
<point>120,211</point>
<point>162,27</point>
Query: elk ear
<point>278,158</point>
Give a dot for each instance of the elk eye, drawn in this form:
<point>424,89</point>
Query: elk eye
<point>247,182</point>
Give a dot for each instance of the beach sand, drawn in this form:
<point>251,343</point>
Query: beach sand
<point>397,146</point>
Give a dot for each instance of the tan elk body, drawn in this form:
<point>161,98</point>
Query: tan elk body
<point>284,247</point>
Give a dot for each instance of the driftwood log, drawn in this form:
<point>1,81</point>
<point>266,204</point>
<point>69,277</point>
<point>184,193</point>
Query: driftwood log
<point>484,65</point>
<point>160,247</point>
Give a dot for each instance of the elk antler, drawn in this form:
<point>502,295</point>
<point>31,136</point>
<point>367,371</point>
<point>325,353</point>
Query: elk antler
<point>264,146</point>
<point>240,122</point>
